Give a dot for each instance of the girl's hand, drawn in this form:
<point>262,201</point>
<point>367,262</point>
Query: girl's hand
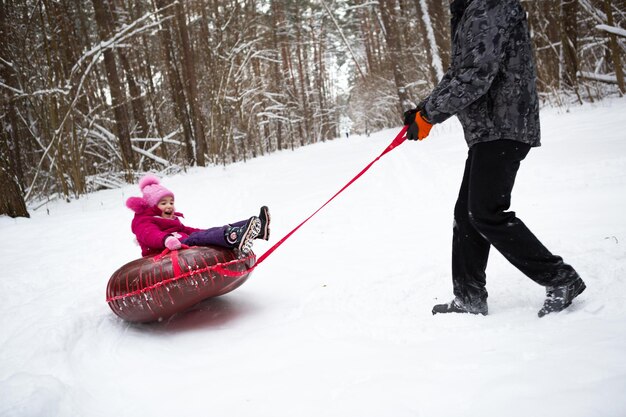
<point>172,243</point>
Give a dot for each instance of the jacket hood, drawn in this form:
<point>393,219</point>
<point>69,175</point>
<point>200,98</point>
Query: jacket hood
<point>141,207</point>
<point>457,8</point>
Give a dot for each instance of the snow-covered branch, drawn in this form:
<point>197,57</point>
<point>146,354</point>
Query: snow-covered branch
<point>147,154</point>
<point>605,78</point>
<point>613,30</point>
<point>128,31</point>
<point>8,87</point>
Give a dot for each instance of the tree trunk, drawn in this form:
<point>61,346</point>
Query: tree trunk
<point>136,101</point>
<point>191,85</point>
<point>423,34</point>
<point>211,83</point>
<point>614,47</point>
<point>388,13</point>
<point>440,20</point>
<point>11,175</point>
<point>175,85</point>
<point>104,22</point>
<point>12,203</point>
<point>366,34</point>
<point>276,78</point>
<point>569,41</point>
<point>304,88</point>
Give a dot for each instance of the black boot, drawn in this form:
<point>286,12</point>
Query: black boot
<point>241,237</point>
<point>559,298</point>
<point>264,216</point>
<point>458,306</point>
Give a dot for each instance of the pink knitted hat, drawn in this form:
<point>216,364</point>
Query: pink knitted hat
<point>152,190</point>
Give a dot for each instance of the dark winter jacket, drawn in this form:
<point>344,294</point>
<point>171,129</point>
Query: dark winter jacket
<point>151,229</point>
<point>491,82</point>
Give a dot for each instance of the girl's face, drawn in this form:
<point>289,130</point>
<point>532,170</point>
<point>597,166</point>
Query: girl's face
<point>166,205</point>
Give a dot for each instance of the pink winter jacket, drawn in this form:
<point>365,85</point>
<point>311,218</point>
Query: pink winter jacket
<point>151,229</point>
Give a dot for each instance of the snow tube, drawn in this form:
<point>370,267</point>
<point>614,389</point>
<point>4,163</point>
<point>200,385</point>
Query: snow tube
<point>155,288</point>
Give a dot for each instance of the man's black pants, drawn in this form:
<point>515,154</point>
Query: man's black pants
<point>481,219</point>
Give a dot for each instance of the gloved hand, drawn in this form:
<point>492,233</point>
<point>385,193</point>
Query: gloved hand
<point>419,127</point>
<point>409,116</point>
<point>172,243</point>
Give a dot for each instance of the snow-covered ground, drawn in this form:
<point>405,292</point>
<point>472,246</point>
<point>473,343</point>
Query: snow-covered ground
<point>337,322</point>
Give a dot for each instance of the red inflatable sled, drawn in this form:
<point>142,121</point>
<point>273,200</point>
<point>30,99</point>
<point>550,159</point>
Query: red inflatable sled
<point>155,288</point>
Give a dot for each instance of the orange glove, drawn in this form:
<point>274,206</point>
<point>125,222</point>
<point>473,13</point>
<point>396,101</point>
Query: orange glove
<point>419,127</point>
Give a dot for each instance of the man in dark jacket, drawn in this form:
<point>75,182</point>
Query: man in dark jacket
<point>490,86</point>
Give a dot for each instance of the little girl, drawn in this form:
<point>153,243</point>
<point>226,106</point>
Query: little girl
<point>157,225</point>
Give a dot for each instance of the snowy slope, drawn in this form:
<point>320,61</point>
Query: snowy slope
<point>337,321</point>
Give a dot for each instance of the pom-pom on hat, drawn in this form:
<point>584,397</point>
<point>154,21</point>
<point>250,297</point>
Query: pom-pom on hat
<point>152,190</point>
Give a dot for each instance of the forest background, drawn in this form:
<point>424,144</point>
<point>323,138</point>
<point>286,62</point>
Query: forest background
<point>96,92</point>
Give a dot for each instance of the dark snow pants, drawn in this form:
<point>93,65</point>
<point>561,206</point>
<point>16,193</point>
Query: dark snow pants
<point>214,236</point>
<point>481,220</point>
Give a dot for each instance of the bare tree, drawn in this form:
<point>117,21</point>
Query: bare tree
<point>10,156</point>
<point>440,20</point>
<point>394,45</point>
<point>95,93</point>
<point>191,85</point>
<point>104,20</point>
<point>614,48</point>
<point>569,40</point>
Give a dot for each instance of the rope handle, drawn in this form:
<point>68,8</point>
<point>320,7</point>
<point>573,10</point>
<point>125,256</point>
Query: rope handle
<point>166,251</point>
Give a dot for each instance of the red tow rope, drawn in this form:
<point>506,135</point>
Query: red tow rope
<point>396,142</point>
